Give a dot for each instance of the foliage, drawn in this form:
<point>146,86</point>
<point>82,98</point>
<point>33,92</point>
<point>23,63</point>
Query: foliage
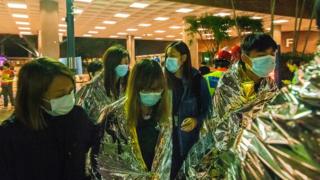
<point>246,24</point>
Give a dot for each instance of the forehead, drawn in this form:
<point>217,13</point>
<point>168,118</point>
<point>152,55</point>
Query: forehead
<point>60,83</point>
<point>172,51</point>
<point>254,52</point>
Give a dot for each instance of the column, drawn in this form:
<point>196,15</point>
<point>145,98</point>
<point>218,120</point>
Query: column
<point>131,49</point>
<point>192,43</point>
<point>48,39</point>
<point>277,34</point>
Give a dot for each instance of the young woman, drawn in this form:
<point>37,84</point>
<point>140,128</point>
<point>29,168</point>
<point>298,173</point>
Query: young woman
<point>109,85</point>
<point>48,137</point>
<point>191,101</point>
<point>140,145</point>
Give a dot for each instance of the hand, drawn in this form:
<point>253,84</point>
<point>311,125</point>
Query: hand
<point>188,124</point>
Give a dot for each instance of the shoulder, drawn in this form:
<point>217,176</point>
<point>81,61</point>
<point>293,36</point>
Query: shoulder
<point>8,128</point>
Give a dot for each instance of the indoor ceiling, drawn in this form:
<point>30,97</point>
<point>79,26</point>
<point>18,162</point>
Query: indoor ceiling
<point>98,18</point>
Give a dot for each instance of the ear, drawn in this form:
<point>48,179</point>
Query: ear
<point>183,58</point>
<point>246,59</point>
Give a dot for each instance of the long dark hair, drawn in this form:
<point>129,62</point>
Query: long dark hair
<point>111,59</point>
<point>183,49</point>
<point>34,80</point>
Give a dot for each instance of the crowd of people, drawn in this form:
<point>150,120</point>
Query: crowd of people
<point>155,121</point>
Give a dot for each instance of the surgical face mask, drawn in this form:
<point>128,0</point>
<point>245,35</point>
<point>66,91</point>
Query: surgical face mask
<point>150,98</point>
<point>61,106</point>
<point>122,70</point>
<point>263,66</point>
<point>172,64</point>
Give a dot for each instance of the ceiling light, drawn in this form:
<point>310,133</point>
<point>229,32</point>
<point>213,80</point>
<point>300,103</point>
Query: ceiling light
<point>131,29</point>
<point>61,34</point>
<point>178,39</point>
<point>25,32</point>
<point>22,23</point>
<point>268,29</point>
<point>24,28</point>
<point>138,37</point>
<point>280,21</point>
<point>122,33</point>
<point>159,31</point>
<point>201,29</point>
<point>255,17</point>
<point>122,15</point>
<point>20,16</point>
<point>208,34</point>
<point>159,38</point>
<point>87,35</point>
<point>93,32</point>
<point>170,36</point>
<point>62,25</point>
<point>17,5</point>
<point>62,30</point>
<point>148,35</point>
<point>77,11</point>
<point>184,10</point>
<point>63,19</point>
<point>85,1</point>
<point>222,14</point>
<point>109,22</point>
<point>175,27</point>
<point>139,5</point>
<point>144,25</point>
<point>161,18</point>
<point>99,27</point>
<point>113,36</point>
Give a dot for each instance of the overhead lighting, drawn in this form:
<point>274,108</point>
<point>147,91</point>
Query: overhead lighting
<point>161,18</point>
<point>85,1</point>
<point>77,11</point>
<point>87,35</point>
<point>175,27</point>
<point>148,35</point>
<point>109,22</point>
<point>138,37</point>
<point>122,33</point>
<point>17,5</point>
<point>122,15</point>
<point>159,31</point>
<point>159,38</point>
<point>131,29</point>
<point>25,33</point>
<point>208,34</point>
<point>201,29</point>
<point>139,5</point>
<point>63,19</point>
<point>268,29</point>
<point>280,21</point>
<point>62,30</point>
<point>22,23</point>
<point>184,10</point>
<point>20,16</point>
<point>113,36</point>
<point>62,25</point>
<point>93,32</point>
<point>170,36</point>
<point>222,14</point>
<point>99,27</point>
<point>60,34</point>
<point>255,17</point>
<point>178,39</point>
<point>144,25</point>
<point>24,28</point>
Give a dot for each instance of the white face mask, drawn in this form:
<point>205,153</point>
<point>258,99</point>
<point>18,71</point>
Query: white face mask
<point>61,106</point>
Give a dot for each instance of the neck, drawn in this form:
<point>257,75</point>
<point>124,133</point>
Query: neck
<point>146,111</point>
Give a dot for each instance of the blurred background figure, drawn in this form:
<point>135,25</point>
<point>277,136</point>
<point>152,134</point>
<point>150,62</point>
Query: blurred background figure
<point>236,54</point>
<point>94,67</point>
<point>7,85</point>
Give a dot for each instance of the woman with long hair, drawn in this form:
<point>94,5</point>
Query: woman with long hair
<point>109,85</point>
<point>191,101</point>
<point>47,137</point>
<point>140,146</point>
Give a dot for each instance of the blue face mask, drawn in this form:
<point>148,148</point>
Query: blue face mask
<point>172,64</point>
<point>122,70</point>
<point>263,66</point>
<point>150,98</point>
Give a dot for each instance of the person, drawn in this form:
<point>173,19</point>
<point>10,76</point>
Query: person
<point>236,54</point>
<point>191,101</point>
<point>204,69</point>
<point>47,137</point>
<point>240,95</point>
<point>7,84</point>
<point>107,86</point>
<point>138,142</point>
<point>93,68</point>
<point>221,66</point>
<point>293,67</point>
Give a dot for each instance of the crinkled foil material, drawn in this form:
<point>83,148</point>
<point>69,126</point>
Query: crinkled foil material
<point>268,135</point>
<point>121,158</point>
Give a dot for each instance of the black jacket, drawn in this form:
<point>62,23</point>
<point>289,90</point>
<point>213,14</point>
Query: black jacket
<point>58,152</point>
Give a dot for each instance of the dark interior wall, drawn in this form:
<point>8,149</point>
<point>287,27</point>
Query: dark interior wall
<point>15,46</point>
<point>145,47</point>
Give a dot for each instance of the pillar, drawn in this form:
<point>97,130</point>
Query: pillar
<point>48,39</point>
<point>131,49</point>
<point>277,34</point>
<point>192,43</point>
